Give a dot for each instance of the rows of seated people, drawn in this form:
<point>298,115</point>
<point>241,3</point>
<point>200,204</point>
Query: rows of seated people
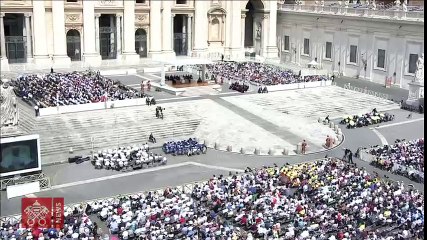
<point>373,117</point>
<point>257,73</point>
<point>179,78</point>
<point>48,90</point>
<point>326,199</point>
<point>403,158</point>
<point>127,158</point>
<point>77,225</point>
<point>8,107</point>
<point>239,86</point>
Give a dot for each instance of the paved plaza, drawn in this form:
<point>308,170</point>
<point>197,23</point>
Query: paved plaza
<point>275,121</point>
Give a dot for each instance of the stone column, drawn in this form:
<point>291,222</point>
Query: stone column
<point>200,27</point>
<point>243,16</point>
<point>190,34</point>
<point>155,34</point>
<point>40,43</point>
<point>91,55</point>
<point>4,62</point>
<point>272,51</point>
<point>60,57</point>
<point>28,35</point>
<point>2,38</point>
<point>236,16</point>
<point>119,35</point>
<point>129,54</point>
<point>97,34</point>
<point>167,30</point>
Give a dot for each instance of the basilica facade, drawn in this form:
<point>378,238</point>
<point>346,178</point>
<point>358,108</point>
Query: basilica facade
<point>61,31</point>
<point>376,41</point>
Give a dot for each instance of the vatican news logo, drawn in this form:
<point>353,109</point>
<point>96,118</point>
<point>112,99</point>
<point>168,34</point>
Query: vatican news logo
<point>42,213</point>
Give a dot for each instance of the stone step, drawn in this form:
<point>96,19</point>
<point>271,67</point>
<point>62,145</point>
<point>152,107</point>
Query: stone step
<point>51,146</point>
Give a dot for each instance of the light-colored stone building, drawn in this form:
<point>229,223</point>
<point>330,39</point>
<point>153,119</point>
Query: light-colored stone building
<point>371,40</point>
<point>61,31</point>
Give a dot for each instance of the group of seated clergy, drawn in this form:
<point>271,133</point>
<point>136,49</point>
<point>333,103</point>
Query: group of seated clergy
<point>179,78</point>
<point>127,158</point>
<point>373,117</point>
<point>48,90</point>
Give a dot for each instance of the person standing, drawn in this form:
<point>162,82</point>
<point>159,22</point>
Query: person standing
<point>142,87</point>
<point>350,157</point>
<point>303,147</point>
<point>148,86</point>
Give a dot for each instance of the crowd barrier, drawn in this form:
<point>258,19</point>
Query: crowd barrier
<point>280,87</point>
<point>367,91</point>
<point>91,106</point>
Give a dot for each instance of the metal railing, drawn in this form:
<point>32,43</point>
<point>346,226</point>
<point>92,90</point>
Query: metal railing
<point>363,11</point>
<point>367,91</point>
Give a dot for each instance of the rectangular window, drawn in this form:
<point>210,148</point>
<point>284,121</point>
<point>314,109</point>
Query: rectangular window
<point>286,43</point>
<point>381,59</point>
<point>181,1</point>
<point>353,53</point>
<point>140,1</point>
<point>413,58</point>
<point>328,54</point>
<point>72,1</point>
<point>306,46</point>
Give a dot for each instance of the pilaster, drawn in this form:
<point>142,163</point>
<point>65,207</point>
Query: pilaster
<point>40,43</point>
<point>91,56</point>
<point>60,58</point>
<point>129,55</point>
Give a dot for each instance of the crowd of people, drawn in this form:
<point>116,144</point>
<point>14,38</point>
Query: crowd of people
<point>258,73</point>
<point>325,199</point>
<point>322,200</point>
<point>187,147</point>
<point>73,88</point>
<point>127,158</point>
<point>403,157</point>
<point>373,117</point>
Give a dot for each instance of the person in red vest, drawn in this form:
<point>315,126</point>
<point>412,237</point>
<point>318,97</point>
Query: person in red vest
<point>303,147</point>
<point>149,86</point>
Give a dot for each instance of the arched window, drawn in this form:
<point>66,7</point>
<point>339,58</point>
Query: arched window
<point>73,45</point>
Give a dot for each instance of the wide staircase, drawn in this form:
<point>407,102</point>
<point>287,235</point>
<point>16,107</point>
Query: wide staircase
<point>113,127</point>
<point>8,107</point>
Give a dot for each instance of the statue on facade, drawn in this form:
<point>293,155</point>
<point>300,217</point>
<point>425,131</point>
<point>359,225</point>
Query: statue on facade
<point>419,73</point>
<point>405,5</point>
<point>397,3</point>
<point>374,5</point>
<point>258,30</point>
<point>346,3</point>
<point>316,3</point>
<point>322,3</point>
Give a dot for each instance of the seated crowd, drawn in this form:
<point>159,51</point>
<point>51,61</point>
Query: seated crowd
<point>367,119</point>
<point>405,157</point>
<point>127,158</point>
<point>179,78</point>
<point>258,73</point>
<point>77,225</point>
<point>326,199</point>
<point>71,89</point>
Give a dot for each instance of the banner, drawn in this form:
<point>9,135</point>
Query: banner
<point>58,213</point>
<point>42,213</point>
<point>36,212</point>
